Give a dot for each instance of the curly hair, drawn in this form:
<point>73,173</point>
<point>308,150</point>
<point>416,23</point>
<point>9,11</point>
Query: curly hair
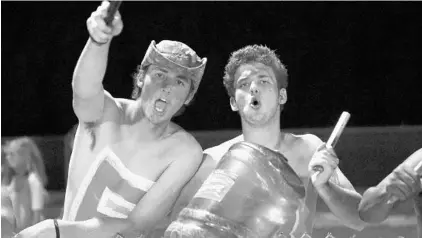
<point>138,76</point>
<point>258,54</point>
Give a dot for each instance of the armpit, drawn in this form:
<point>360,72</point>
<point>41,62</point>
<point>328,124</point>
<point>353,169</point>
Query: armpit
<point>91,127</point>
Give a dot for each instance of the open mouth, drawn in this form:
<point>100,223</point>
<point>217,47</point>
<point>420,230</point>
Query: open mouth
<point>160,105</point>
<point>255,104</point>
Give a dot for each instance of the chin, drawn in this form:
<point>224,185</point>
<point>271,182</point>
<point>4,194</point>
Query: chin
<point>155,119</point>
<point>255,118</point>
<point>158,118</point>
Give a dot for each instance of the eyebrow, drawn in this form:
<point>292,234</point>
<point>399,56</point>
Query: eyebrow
<point>263,75</point>
<point>240,80</point>
<point>183,77</point>
<point>161,69</point>
<point>259,75</point>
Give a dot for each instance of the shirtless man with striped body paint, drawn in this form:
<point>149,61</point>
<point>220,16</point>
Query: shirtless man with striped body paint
<point>129,161</point>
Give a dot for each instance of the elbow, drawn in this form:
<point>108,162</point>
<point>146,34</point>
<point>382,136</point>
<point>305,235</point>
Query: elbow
<point>372,216</point>
<point>372,209</point>
<point>354,222</point>
<point>357,225</point>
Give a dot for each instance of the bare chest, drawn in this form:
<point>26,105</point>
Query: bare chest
<point>298,160</point>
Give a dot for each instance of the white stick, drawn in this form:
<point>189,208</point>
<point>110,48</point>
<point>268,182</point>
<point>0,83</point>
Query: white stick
<point>335,135</point>
<point>418,170</point>
<point>338,129</point>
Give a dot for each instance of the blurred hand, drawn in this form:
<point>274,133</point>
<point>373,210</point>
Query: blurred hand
<point>97,27</point>
<point>403,183</point>
<point>326,159</point>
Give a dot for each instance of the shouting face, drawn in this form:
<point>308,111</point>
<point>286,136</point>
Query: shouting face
<point>257,97</point>
<point>164,91</point>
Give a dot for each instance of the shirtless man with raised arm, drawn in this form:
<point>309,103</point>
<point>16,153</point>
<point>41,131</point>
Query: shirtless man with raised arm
<point>129,161</point>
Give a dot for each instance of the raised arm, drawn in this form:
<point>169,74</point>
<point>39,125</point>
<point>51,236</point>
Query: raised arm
<point>87,84</point>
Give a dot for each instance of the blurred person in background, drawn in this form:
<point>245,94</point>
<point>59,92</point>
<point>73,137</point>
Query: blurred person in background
<point>24,179</point>
<point>8,220</point>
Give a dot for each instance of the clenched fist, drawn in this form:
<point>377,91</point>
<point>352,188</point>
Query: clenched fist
<point>99,31</point>
<point>403,183</point>
<point>324,158</point>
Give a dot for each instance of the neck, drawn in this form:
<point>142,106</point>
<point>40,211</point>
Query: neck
<point>268,135</point>
<point>19,172</point>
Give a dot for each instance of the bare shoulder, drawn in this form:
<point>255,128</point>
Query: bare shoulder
<point>306,143</point>
<point>217,152</point>
<point>185,144</point>
<point>309,140</point>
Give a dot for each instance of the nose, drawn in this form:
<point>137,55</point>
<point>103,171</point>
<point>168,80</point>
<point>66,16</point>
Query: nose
<point>254,89</point>
<point>166,89</point>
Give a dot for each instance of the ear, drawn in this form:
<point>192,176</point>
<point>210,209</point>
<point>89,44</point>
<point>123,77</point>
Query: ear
<point>233,104</point>
<point>282,96</point>
<point>189,99</point>
<point>140,83</point>
<point>191,94</point>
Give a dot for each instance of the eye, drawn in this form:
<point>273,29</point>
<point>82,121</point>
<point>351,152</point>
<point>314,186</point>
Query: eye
<point>180,82</point>
<point>159,75</point>
<point>264,81</point>
<point>242,85</point>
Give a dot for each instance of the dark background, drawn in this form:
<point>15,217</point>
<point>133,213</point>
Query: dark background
<point>363,57</point>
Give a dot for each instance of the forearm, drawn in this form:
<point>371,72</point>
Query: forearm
<point>93,228</point>
<point>374,207</point>
<point>90,70</point>
<point>343,203</point>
